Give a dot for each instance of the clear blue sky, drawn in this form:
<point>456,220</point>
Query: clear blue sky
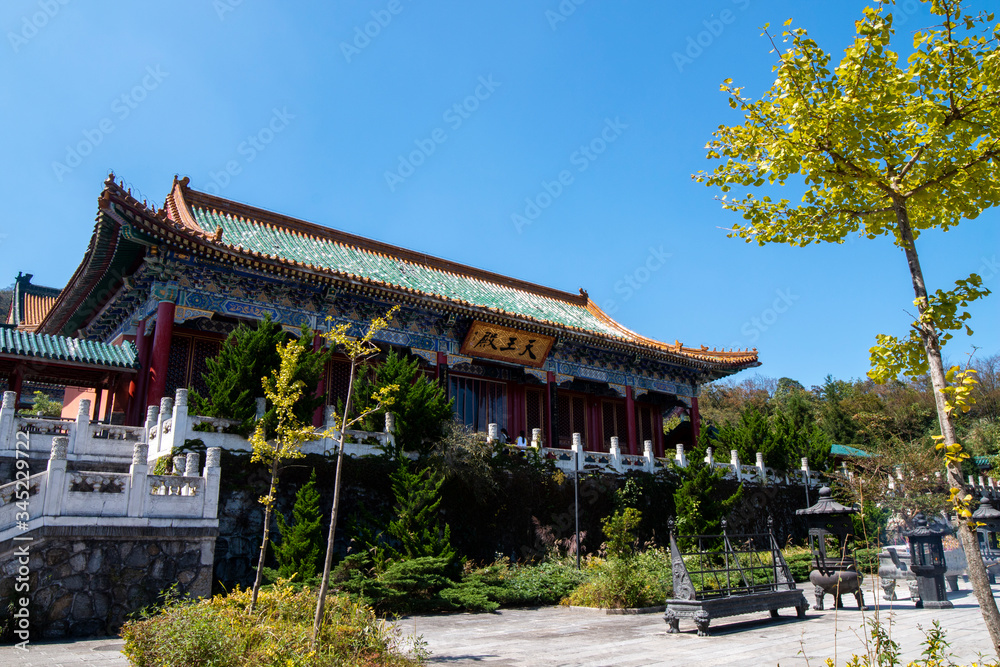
<point>309,115</point>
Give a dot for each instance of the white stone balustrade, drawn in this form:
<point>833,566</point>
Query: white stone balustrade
<point>167,433</point>
<point>86,440</point>
<point>60,497</point>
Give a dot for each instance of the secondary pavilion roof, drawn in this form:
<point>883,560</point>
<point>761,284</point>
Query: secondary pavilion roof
<point>202,223</point>
<point>62,360</point>
<point>29,303</point>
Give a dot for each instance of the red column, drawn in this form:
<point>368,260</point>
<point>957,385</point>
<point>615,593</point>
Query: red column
<point>321,385</point>
<point>160,354</point>
<point>16,381</point>
<point>137,387</point>
<point>441,365</point>
<point>658,430</point>
<point>595,437</point>
<point>550,427</point>
<point>95,409</point>
<point>695,420</point>
<point>630,420</point>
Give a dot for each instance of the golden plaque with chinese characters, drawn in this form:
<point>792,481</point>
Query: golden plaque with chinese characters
<point>492,341</point>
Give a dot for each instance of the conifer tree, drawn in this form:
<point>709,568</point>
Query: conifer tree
<point>247,355</point>
<point>421,408</point>
<point>699,504</point>
<point>418,525</point>
<point>301,541</point>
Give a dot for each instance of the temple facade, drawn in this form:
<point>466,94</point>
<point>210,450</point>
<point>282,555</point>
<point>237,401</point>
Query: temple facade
<point>173,281</point>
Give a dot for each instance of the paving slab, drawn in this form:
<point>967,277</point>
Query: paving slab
<point>559,636</point>
<point>570,637</point>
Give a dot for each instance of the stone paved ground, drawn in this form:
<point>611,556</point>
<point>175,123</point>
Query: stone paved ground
<point>558,636</point>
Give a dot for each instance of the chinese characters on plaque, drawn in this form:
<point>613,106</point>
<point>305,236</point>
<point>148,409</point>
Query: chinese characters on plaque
<point>492,341</point>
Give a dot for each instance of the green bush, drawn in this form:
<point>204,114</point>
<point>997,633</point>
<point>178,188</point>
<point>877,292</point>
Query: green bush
<point>616,583</point>
<point>799,561</point>
<point>221,632</point>
<point>413,585</point>
<point>424,584</point>
<point>511,585</point>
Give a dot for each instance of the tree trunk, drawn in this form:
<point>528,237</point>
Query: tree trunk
<point>267,535</point>
<point>932,346</point>
<point>328,561</point>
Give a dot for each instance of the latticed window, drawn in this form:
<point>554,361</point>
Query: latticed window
<point>478,402</point>
<point>571,417</point>
<point>203,351</point>
<point>337,378</point>
<point>614,423</point>
<point>177,366</point>
<point>648,420</point>
<point>534,411</point>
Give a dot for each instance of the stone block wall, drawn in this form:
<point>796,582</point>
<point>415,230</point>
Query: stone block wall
<point>85,581</point>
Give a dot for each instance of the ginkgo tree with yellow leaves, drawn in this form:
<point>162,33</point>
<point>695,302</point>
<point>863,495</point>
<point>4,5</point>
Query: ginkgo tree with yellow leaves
<point>358,350</point>
<point>282,391</point>
<point>880,146</point>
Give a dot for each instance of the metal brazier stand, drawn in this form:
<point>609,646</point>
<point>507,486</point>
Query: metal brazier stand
<point>834,573</point>
<point>927,554</point>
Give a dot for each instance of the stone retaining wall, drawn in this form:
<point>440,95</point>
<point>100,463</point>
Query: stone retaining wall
<point>85,582</point>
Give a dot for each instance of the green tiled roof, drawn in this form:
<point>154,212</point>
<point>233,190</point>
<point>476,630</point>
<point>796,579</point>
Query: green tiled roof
<point>846,450</point>
<point>62,348</point>
<point>328,254</point>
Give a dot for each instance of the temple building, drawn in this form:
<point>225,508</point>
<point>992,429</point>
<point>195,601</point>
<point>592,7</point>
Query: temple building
<point>174,281</point>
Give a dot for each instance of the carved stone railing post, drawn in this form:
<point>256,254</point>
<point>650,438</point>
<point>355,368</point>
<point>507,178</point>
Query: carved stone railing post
<point>616,453</point>
<point>79,434</point>
<point>329,427</point>
<point>390,429</point>
<point>577,448</point>
<point>138,473</point>
<point>492,433</point>
<point>8,410</point>
<point>191,467</point>
<point>166,412</point>
<point>180,415</point>
<point>180,465</point>
<point>761,470</point>
<point>55,483</point>
<point>709,457</point>
<point>152,417</point>
<point>536,437</point>
<point>734,460</point>
<point>647,452</point>
<point>213,473</point>
<point>681,456</point>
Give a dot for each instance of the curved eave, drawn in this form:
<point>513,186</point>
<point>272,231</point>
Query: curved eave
<point>103,267</point>
<point>188,231</point>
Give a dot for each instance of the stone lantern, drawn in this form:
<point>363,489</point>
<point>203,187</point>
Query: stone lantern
<point>927,562</point>
<point>988,531</point>
<point>834,572</point>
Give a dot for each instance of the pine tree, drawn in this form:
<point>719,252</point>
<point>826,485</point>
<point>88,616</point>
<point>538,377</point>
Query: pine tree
<point>421,408</point>
<point>700,505</point>
<point>301,541</point>
<point>247,355</point>
<point>417,525</point>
